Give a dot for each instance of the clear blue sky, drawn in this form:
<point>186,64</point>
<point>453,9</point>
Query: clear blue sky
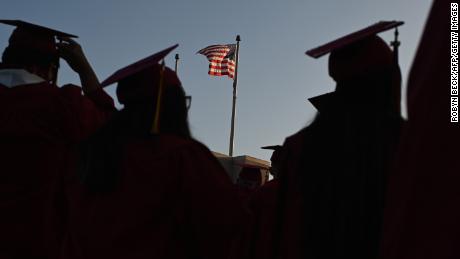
<point>275,78</point>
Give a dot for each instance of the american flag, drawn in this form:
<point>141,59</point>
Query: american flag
<point>221,59</point>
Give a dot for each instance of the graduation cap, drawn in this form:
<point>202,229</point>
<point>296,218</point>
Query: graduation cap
<point>22,25</point>
<point>276,157</point>
<point>353,38</point>
<point>274,147</point>
<point>137,66</point>
<point>33,36</point>
<point>144,79</point>
<point>360,52</point>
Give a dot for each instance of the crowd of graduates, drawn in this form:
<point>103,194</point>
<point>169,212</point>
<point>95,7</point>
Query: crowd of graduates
<point>80,179</point>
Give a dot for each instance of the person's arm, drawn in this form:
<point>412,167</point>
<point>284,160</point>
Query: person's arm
<point>73,54</point>
<point>91,111</point>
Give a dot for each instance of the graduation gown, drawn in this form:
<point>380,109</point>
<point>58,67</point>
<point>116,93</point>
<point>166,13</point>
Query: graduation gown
<point>423,209</point>
<point>263,204</point>
<point>39,126</point>
<point>173,200</point>
<point>289,217</point>
<point>333,193</point>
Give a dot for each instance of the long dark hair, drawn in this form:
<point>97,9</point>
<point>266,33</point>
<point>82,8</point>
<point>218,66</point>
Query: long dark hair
<point>101,154</point>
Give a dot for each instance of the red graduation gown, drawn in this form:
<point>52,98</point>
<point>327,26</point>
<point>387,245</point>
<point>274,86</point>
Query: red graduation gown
<point>324,212</point>
<point>263,204</point>
<point>422,217</point>
<point>39,124</point>
<point>276,228</point>
<point>174,200</point>
<point>289,221</point>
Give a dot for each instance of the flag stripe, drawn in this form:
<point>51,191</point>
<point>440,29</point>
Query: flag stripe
<point>212,51</point>
<point>225,62</point>
<point>222,67</point>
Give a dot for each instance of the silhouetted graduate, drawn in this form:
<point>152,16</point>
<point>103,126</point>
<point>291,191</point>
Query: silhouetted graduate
<point>40,124</point>
<point>263,204</point>
<point>149,189</point>
<point>336,173</point>
<point>276,159</point>
<point>422,212</point>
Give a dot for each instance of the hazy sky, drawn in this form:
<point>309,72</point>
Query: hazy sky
<point>275,76</point>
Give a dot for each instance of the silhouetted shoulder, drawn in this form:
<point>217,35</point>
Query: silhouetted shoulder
<point>294,143</point>
<point>193,151</point>
<point>99,96</point>
<point>173,143</point>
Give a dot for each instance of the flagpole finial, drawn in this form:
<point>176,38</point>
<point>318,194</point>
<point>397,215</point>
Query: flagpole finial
<point>238,38</point>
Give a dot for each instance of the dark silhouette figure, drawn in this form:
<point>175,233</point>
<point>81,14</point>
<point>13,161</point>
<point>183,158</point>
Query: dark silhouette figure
<point>276,159</point>
<point>40,125</point>
<point>335,176</point>
<point>264,204</point>
<point>145,195</point>
<point>422,212</point>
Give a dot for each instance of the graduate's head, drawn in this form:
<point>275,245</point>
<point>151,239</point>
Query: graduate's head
<point>33,47</point>
<point>367,74</point>
<point>144,85</point>
<point>154,95</point>
<point>369,56</point>
<point>364,68</point>
<point>141,92</point>
<point>252,177</point>
<point>277,158</point>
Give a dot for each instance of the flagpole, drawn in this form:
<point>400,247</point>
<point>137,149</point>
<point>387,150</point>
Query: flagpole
<point>177,63</point>
<point>235,84</point>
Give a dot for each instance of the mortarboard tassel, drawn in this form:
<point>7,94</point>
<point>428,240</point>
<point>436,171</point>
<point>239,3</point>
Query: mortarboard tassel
<point>156,120</point>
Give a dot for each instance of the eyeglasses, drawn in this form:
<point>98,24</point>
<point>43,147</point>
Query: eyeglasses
<point>188,101</point>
